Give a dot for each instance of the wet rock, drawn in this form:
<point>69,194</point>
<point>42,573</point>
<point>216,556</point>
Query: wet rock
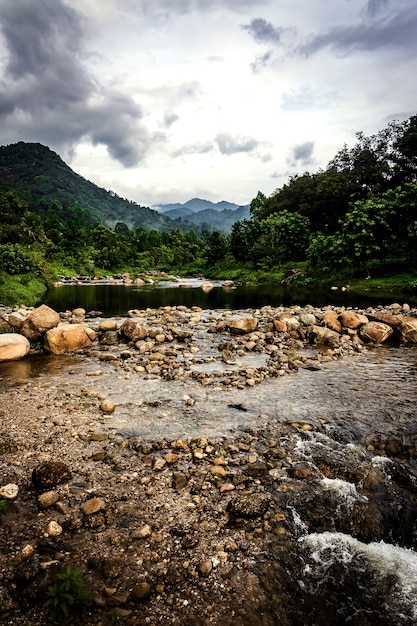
<point>13,347</point>
<point>408,330</point>
<point>134,331</point>
<point>243,325</point>
<point>375,332</point>
<point>69,338</point>
<point>50,473</point>
<point>322,335</point>
<point>54,529</point>
<point>108,325</point>
<point>350,319</point>
<point>331,320</point>
<point>107,406</point>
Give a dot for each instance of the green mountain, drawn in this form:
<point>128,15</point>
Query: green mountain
<point>35,169</point>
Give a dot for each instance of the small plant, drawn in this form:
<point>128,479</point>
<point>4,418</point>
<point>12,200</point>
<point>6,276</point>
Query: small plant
<point>3,505</point>
<point>68,594</point>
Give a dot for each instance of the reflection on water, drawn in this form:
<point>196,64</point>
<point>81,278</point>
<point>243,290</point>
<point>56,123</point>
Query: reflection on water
<point>118,299</point>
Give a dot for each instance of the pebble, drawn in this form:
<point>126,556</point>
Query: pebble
<point>93,505</point>
<point>47,499</point>
<point>54,529</point>
<point>9,492</point>
<point>205,568</point>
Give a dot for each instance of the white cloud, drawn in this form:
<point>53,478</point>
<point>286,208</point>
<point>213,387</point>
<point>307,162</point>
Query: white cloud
<point>163,100</point>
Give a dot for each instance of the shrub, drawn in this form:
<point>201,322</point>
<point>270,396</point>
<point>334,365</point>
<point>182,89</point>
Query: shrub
<point>68,595</point>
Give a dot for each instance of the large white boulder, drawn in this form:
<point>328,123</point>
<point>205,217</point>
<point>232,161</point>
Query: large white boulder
<point>13,347</point>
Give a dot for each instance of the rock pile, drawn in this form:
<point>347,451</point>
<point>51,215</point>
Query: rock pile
<point>234,349</point>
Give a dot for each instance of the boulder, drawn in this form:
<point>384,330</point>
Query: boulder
<point>322,335</point>
<point>280,326</point>
<point>133,330</point>
<point>13,347</point>
<point>331,320</point>
<point>375,332</point>
<point>16,319</point>
<point>408,330</point>
<point>242,325</point>
<point>350,319</point>
<point>42,319</point>
<point>69,338</point>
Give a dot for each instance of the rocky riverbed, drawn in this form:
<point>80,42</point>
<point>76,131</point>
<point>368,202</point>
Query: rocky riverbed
<point>209,467</point>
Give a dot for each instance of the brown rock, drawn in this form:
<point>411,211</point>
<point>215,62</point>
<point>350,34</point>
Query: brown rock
<point>39,321</point>
<point>133,330</point>
<point>93,505</point>
<point>375,332</point>
<point>242,325</point>
<point>408,330</point>
<point>69,338</point>
<point>50,473</point>
<point>141,592</point>
<point>331,320</point>
<point>350,319</point>
<point>323,335</point>
<point>205,567</point>
<point>280,326</point>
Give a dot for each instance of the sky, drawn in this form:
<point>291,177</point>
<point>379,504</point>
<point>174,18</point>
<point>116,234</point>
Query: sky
<point>165,100</point>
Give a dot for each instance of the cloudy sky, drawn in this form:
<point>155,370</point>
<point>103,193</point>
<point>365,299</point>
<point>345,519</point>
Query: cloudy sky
<point>165,100</point>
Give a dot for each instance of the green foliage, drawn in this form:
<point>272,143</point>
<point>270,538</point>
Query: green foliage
<point>68,595</point>
<point>3,505</point>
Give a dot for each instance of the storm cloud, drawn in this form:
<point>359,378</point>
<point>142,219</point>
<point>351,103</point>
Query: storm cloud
<point>48,95</point>
<point>301,154</point>
<point>263,31</point>
<point>395,29</point>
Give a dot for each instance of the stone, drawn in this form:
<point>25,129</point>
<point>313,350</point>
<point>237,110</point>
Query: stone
<point>69,338</point>
<point>331,320</point>
<point>50,473</point>
<point>322,335</point>
<point>180,481</point>
<point>375,332</point>
<point>132,330</point>
<point>205,568</point>
<point>408,330</point>
<point>350,319</point>
<point>78,314</point>
<point>242,325</point>
<point>91,506</point>
<point>9,492</point>
<point>107,406</point>
<point>141,592</point>
<point>218,471</point>
<point>54,529</point>
<point>16,319</point>
<point>40,320</point>
<point>106,325</point>
<point>142,533</point>
<point>47,499</point>
<point>280,326</point>
<point>13,347</point>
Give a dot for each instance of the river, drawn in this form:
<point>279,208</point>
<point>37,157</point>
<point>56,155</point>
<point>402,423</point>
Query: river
<point>348,490</point>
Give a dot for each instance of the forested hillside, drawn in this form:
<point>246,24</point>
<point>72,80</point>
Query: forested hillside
<point>41,175</point>
<point>355,219</point>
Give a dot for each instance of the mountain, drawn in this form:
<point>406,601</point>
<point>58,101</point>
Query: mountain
<point>35,169</point>
<point>219,215</point>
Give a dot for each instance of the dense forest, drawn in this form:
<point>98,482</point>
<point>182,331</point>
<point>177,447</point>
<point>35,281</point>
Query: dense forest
<point>355,218</point>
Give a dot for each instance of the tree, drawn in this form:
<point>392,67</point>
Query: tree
<point>217,248</point>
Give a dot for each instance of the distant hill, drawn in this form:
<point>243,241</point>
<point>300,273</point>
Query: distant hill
<point>218,215</point>
<point>37,170</point>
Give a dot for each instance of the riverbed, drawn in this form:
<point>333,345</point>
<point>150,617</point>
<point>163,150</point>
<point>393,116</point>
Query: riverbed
<point>314,522</point>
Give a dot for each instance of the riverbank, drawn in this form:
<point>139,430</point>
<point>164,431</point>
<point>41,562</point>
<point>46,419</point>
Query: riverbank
<point>173,521</point>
